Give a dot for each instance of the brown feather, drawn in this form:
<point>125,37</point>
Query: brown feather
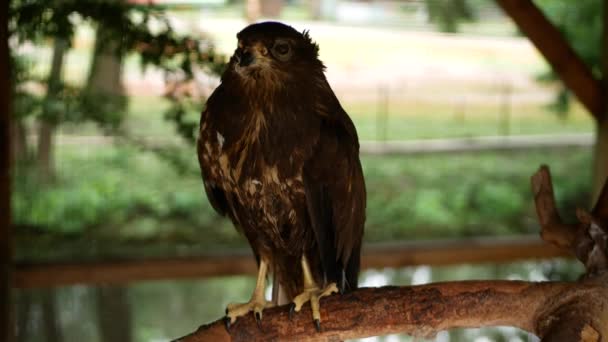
<point>280,157</point>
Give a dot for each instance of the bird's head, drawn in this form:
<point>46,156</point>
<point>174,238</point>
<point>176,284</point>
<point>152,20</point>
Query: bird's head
<point>273,52</point>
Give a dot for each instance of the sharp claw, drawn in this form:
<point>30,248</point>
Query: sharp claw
<point>258,319</point>
<point>227,322</point>
<point>292,309</point>
<point>318,325</point>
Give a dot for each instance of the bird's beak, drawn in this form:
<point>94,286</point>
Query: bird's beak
<point>244,57</point>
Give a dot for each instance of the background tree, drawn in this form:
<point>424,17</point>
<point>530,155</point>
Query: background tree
<point>121,28</point>
<point>447,14</point>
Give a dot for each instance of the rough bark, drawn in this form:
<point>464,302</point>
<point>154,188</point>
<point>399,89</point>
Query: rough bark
<point>554,311</point>
<point>420,311</point>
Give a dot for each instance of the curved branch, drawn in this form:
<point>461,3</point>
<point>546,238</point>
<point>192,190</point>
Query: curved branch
<point>551,310</point>
<point>588,239</point>
<point>425,310</point>
<point>553,229</point>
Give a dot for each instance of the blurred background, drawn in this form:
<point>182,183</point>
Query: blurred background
<point>455,109</point>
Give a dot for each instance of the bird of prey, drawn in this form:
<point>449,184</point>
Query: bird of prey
<point>279,156</point>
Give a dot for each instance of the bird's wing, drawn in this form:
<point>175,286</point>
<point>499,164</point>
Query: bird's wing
<point>335,195</point>
<point>215,194</point>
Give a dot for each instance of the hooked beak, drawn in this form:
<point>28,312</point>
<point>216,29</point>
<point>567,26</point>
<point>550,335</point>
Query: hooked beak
<point>244,57</point>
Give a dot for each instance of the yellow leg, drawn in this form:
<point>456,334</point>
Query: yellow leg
<point>257,303</point>
<point>312,293</point>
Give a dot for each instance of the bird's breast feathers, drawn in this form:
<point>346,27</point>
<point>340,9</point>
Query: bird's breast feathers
<point>268,189</point>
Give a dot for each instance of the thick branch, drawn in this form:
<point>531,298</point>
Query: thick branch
<point>553,230</point>
<point>427,309</point>
<point>553,311</point>
<point>554,47</point>
<point>600,210</point>
<point>588,239</point>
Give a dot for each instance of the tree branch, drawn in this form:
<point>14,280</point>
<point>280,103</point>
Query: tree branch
<point>554,311</point>
<point>416,310</point>
<point>558,52</point>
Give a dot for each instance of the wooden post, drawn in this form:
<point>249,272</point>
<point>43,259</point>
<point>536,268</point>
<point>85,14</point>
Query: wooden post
<point>382,113</point>
<point>600,167</point>
<point>5,233</point>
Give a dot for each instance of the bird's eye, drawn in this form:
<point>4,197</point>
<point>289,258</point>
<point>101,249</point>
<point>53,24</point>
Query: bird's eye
<point>281,50</point>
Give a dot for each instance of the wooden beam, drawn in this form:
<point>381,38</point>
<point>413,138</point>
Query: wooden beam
<point>557,51</point>
<point>600,157</point>
<point>450,252</point>
<point>5,211</point>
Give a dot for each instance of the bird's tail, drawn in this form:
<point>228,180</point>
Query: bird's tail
<point>350,273</point>
<point>279,296</point>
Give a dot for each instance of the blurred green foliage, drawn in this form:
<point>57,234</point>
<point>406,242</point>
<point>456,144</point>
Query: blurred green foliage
<point>126,196</point>
<point>143,30</point>
<point>447,14</point>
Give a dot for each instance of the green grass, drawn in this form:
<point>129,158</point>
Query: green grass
<point>405,120</point>
<point>427,120</point>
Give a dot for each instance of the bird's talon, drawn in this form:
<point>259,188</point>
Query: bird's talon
<point>318,325</point>
<point>227,322</point>
<point>292,310</point>
<point>258,319</point>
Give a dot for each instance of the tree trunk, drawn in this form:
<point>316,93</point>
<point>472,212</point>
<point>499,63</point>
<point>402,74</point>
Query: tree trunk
<point>271,8</point>
<point>106,67</point>
<point>19,147</point>
<point>50,115</point>
<point>114,314</point>
<point>24,310</point>
<point>600,158</point>
<point>6,324</point>
<point>315,9</point>
<point>46,169</point>
<point>252,10</point>
<point>50,316</point>
<point>104,93</point>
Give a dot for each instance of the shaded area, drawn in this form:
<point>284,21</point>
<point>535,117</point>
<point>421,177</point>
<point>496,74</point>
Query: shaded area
<point>192,303</point>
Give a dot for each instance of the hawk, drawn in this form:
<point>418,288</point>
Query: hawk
<point>279,156</point>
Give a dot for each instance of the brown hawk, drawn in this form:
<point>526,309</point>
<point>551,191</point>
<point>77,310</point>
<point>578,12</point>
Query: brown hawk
<point>280,157</point>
